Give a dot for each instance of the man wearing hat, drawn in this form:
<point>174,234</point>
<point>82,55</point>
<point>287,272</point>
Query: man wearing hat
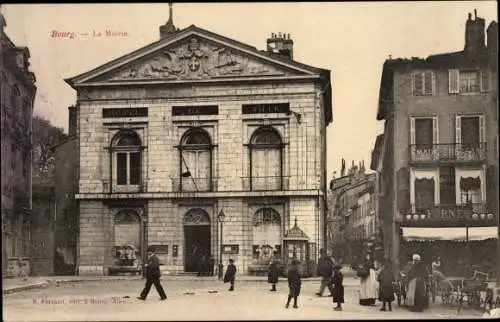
<point>153,277</point>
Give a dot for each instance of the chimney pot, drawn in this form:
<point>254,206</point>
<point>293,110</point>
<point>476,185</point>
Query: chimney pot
<point>475,14</point>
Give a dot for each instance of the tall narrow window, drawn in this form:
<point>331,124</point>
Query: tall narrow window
<point>196,161</point>
<point>470,137</point>
<point>447,190</point>
<point>127,158</point>
<point>424,136</point>
<point>424,194</point>
<point>266,160</point>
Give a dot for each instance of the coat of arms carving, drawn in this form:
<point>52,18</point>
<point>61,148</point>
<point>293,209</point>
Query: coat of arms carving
<point>194,59</point>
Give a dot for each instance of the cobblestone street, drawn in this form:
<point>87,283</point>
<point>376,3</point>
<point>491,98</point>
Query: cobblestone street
<point>193,300</point>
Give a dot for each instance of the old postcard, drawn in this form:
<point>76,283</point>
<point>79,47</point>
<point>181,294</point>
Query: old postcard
<point>250,161</point>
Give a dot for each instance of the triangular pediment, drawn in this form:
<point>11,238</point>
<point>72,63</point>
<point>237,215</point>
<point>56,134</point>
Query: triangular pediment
<point>193,54</point>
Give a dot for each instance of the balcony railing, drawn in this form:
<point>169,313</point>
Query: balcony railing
<point>265,183</point>
<point>452,152</point>
<point>190,184</point>
<point>475,212</point>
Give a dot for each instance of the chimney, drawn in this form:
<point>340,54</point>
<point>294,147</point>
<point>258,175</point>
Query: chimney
<point>281,44</point>
<point>492,38</point>
<point>72,120</point>
<point>474,34</point>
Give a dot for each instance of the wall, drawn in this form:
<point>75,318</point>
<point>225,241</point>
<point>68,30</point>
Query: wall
<point>303,154</point>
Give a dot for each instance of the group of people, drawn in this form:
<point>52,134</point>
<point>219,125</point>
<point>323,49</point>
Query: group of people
<point>379,283</point>
<point>375,283</point>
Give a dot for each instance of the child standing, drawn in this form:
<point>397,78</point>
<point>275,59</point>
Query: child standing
<point>338,287</point>
<point>273,274</point>
<point>230,275</point>
<point>294,284</point>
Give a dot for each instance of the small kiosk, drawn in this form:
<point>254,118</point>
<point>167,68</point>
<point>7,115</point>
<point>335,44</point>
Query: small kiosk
<point>296,244</point>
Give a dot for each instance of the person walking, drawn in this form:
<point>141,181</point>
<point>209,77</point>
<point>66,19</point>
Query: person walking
<point>153,277</point>
<point>325,270</point>
<point>338,287</point>
<point>273,274</point>
<point>294,284</point>
<point>386,285</point>
<point>230,275</point>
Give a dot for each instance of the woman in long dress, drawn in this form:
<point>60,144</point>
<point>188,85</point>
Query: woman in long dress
<point>417,278</point>
<point>368,287</point>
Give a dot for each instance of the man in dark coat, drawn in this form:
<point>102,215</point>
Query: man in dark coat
<point>386,285</point>
<point>325,270</point>
<point>153,277</point>
<point>294,284</point>
<point>230,275</point>
<point>273,275</point>
<point>338,287</point>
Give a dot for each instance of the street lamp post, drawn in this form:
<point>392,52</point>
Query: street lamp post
<point>221,217</point>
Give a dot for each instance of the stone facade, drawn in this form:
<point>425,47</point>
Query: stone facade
<point>457,94</point>
<point>17,94</point>
<point>353,220</point>
<point>216,126</point>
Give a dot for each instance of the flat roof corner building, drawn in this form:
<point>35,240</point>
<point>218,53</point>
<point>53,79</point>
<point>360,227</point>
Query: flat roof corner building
<point>192,126</point>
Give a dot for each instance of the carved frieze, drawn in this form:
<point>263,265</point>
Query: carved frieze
<point>196,59</point>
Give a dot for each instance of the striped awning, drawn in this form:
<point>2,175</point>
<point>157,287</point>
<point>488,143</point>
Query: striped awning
<point>449,233</point>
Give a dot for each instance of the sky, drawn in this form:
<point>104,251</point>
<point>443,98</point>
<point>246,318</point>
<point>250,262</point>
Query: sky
<point>352,39</point>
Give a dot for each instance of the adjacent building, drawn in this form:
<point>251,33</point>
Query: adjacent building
<point>352,221</point>
<point>200,145</point>
<point>17,94</point>
<point>437,160</point>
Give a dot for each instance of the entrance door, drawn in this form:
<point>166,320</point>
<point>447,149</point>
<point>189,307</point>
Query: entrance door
<point>197,247</point>
<point>197,241</point>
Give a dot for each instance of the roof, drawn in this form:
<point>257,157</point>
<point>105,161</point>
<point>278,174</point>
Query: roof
<point>295,233</point>
<point>324,74</point>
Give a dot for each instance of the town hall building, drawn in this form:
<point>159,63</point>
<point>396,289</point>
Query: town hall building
<point>198,145</point>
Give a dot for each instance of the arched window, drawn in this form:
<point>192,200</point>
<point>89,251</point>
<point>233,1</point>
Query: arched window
<point>127,158</point>
<point>195,161</point>
<point>266,160</point>
<point>266,231</point>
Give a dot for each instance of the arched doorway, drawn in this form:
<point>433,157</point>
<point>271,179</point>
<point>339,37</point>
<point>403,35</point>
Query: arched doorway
<point>197,238</point>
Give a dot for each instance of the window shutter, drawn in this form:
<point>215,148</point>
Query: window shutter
<point>435,132</point>
<point>481,129</point>
<point>428,83</point>
<point>453,80</point>
<point>458,129</point>
<point>412,130</point>
<point>418,84</point>
<point>485,80</point>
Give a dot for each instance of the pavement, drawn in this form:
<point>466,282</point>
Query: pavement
<point>19,284</point>
<point>195,298</point>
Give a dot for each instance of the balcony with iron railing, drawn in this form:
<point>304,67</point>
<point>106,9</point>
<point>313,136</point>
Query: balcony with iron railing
<point>270,183</point>
<point>459,215</point>
<point>448,153</point>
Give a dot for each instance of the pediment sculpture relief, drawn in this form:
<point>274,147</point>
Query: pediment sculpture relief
<point>196,59</point>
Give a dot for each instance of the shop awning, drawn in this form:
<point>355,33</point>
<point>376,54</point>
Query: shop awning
<point>449,233</point>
